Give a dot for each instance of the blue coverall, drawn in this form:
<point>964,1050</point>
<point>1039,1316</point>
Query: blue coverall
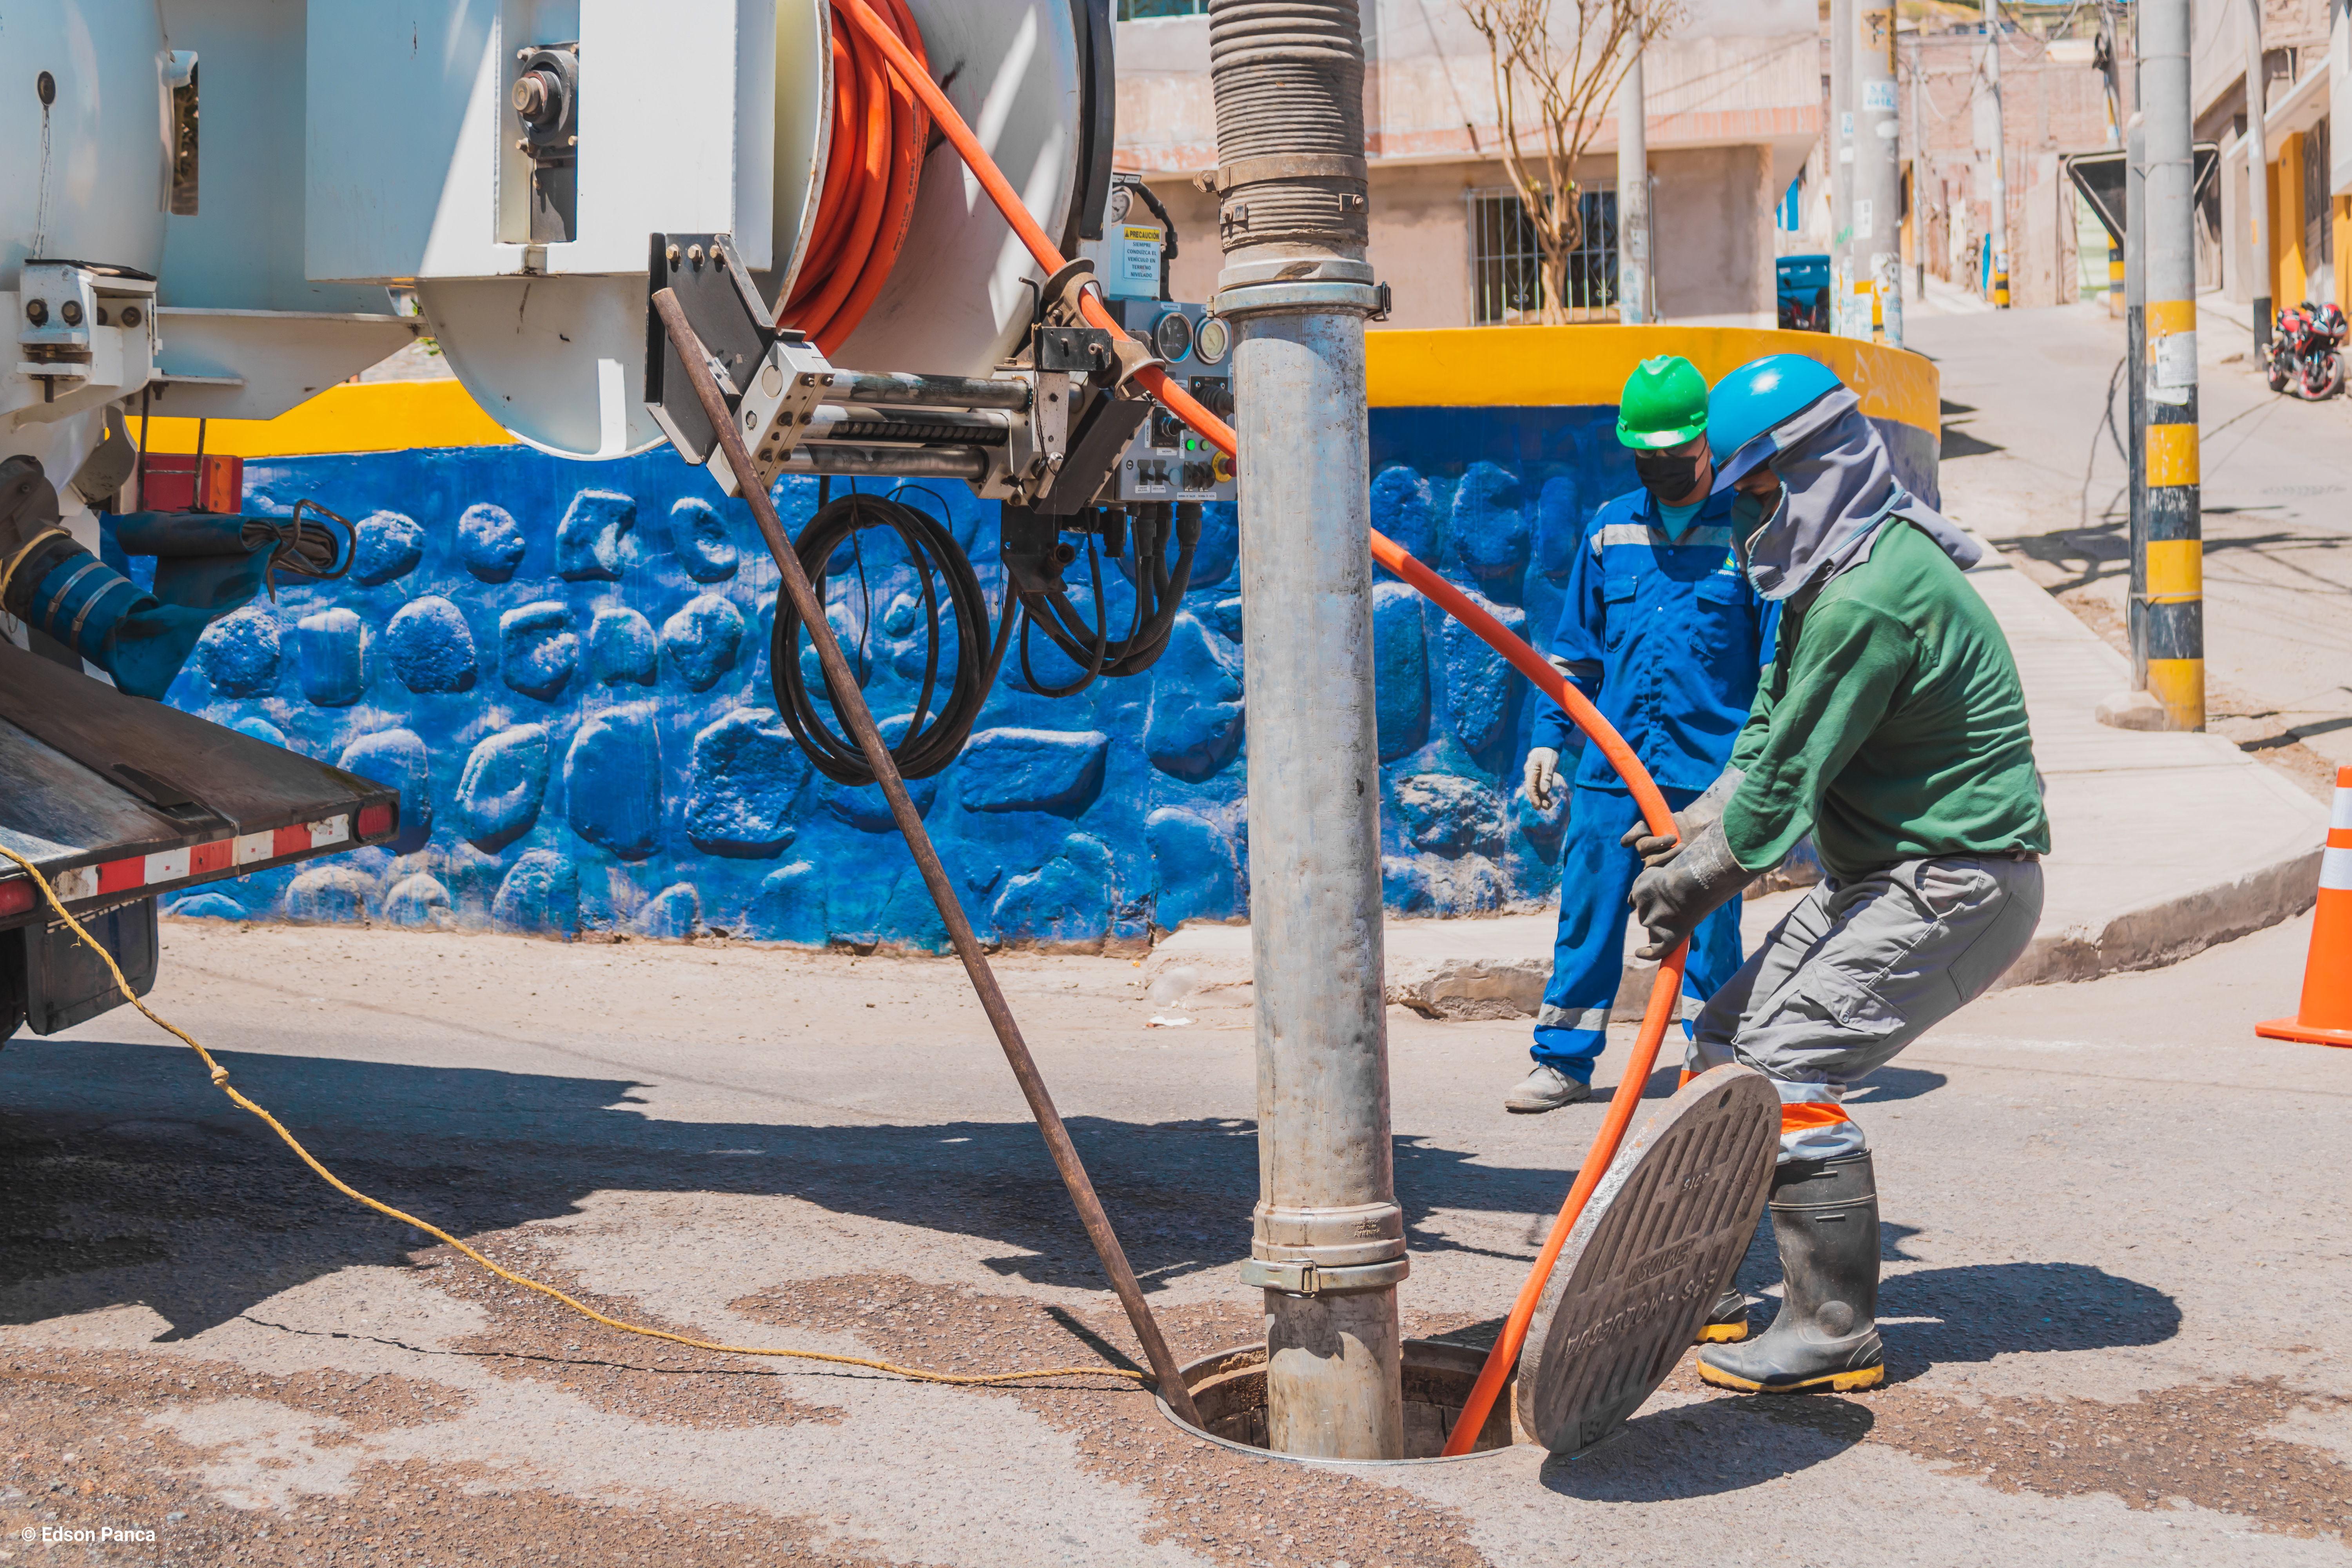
<point>1668,638</point>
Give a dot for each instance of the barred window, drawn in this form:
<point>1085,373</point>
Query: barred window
<point>1147,10</point>
<point>1507,260</point>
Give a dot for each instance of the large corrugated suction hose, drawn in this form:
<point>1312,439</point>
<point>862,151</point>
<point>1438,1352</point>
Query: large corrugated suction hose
<point>1289,79</point>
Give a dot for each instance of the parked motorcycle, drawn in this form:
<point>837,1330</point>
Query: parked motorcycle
<point>2306,350</point>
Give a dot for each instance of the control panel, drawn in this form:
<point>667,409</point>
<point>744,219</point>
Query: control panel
<point>1166,460</point>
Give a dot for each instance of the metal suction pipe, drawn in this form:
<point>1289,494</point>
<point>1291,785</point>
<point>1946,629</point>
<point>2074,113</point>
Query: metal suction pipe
<point>1328,1241</point>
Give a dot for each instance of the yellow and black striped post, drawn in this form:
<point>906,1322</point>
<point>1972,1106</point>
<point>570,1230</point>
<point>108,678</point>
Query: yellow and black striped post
<point>2170,575</point>
<point>2172,592</point>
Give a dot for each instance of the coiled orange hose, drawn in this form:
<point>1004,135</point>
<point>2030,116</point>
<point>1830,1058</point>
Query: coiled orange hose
<point>881,131</point>
<point>1663,1007</point>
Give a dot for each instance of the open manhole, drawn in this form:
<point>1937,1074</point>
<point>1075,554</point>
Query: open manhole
<point>1661,1237</point>
<point>1229,1391</point>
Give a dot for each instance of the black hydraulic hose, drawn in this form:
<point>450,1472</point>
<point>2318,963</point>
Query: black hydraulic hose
<point>925,749</point>
<point>1159,595</point>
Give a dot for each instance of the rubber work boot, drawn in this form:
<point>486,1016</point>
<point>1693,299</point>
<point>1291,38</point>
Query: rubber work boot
<point>1546,1089</point>
<point>1726,1322</point>
<point>1825,1216</point>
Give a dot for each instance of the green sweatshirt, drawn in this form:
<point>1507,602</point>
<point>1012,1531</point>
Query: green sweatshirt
<point>1891,724</point>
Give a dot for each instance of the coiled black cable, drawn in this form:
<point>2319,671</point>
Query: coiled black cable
<point>925,749</point>
<point>932,550</point>
<point>1159,595</point>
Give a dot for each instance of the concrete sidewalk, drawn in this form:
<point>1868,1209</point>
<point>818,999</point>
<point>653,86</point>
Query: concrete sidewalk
<point>2162,845</point>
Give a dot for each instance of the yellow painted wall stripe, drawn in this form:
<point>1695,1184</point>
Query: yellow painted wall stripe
<point>1469,367</point>
<point>2176,569</point>
<point>2172,455</point>
<point>372,416</point>
<point>1461,368</point>
<point>2166,317</point>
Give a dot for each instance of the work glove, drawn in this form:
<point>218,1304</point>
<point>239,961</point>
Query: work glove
<point>1543,768</point>
<point>1689,822</point>
<point>1670,899</point>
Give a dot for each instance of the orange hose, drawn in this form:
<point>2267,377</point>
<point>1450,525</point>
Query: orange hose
<point>1524,659</point>
<point>868,203</point>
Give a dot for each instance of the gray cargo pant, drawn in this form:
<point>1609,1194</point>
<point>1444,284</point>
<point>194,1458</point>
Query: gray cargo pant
<point>1858,970</point>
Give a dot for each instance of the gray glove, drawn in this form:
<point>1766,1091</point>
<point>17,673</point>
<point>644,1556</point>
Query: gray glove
<point>1689,822</point>
<point>1543,768</point>
<point>1670,899</point>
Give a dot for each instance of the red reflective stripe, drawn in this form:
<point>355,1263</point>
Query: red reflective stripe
<point>1797,1117</point>
<point>217,856</point>
<point>294,840</point>
<point>116,876</point>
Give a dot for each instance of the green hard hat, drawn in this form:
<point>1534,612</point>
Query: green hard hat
<point>1665,403</point>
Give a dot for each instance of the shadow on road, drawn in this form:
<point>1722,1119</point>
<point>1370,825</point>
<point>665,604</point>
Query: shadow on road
<point>1712,1446</point>
<point>130,1179</point>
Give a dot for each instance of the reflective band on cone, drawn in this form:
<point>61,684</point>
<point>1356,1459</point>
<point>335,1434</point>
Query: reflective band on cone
<point>2325,1016</point>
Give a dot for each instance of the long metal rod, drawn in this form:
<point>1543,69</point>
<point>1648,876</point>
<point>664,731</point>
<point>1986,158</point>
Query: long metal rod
<point>860,720</point>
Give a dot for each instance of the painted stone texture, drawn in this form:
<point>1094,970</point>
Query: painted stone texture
<point>564,667</point>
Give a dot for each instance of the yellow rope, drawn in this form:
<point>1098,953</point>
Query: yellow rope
<point>220,1076</point>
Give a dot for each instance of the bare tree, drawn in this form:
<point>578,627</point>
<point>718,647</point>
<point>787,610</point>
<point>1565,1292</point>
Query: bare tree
<point>1566,85</point>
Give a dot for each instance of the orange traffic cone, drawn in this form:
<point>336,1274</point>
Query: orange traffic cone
<point>2326,1018</point>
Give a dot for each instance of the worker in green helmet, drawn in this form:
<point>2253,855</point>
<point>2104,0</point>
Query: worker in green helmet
<point>1664,633</point>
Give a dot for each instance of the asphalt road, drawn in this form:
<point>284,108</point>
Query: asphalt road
<point>2115,1244</point>
<point>2030,461</point>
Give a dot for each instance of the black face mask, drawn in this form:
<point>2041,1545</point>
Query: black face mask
<point>1669,475</point>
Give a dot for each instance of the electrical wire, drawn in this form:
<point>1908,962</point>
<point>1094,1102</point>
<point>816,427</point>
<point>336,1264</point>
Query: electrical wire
<point>220,1080</point>
<point>881,132</point>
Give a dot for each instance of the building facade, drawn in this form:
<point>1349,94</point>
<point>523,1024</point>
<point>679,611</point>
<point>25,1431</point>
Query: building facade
<point>1734,107</point>
<point>2307,176</point>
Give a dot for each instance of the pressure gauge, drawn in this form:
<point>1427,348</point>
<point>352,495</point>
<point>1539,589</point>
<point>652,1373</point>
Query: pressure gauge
<point>1121,200</point>
<point>1213,339</point>
<point>1172,336</point>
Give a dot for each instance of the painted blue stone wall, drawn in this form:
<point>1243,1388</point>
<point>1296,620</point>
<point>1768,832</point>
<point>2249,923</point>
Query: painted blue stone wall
<point>563,667</point>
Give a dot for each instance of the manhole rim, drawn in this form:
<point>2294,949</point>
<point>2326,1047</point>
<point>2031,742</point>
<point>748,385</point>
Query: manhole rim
<point>1211,1362</point>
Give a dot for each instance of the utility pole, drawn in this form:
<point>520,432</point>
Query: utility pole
<point>1919,163</point>
<point>2258,175</point>
<point>1843,282</point>
<point>1634,305</point>
<point>1327,1241</point>
<point>2135,385</point>
<point>2174,566</point>
<point>2000,157</point>
<point>1877,170</point>
<point>2111,69</point>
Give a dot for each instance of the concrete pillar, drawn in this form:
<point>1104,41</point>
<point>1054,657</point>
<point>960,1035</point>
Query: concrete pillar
<point>1842,278</point>
<point>1999,230</point>
<point>1327,1240</point>
<point>2174,567</point>
<point>1634,305</point>
<point>1877,170</point>
<point>2258,169</point>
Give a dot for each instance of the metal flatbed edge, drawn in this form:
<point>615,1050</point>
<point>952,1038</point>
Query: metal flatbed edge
<point>115,799</point>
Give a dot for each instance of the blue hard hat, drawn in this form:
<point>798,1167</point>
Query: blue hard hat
<point>1759,396</point>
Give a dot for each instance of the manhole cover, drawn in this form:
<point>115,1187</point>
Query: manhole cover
<point>1654,1246</point>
